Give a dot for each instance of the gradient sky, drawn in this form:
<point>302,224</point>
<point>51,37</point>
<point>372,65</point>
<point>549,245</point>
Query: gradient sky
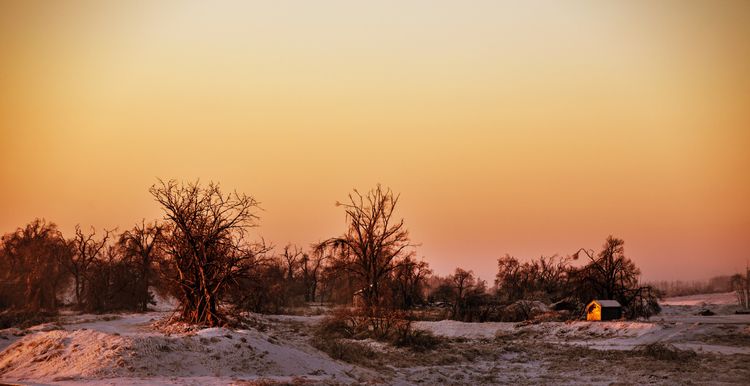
<point>528,127</point>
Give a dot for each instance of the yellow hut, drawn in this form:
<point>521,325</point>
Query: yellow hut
<point>603,310</point>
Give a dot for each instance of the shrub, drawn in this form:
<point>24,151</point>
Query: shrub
<point>382,325</point>
<point>341,324</point>
<point>418,340</point>
<point>344,349</point>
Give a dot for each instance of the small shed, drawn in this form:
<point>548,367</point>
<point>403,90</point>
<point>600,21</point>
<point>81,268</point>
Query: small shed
<point>603,310</point>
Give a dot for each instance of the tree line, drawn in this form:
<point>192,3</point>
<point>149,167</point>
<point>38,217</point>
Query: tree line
<point>716,284</point>
<point>201,254</point>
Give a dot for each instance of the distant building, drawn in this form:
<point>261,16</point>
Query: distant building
<point>603,310</point>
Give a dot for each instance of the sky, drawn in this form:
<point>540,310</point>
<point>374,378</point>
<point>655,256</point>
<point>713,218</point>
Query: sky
<point>522,127</point>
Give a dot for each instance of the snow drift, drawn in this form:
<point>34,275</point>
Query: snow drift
<point>216,352</point>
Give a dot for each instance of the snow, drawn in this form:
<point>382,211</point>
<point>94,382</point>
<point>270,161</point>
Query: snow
<point>591,329</point>
<point>130,349</point>
<point>8,336</point>
<point>55,355</point>
<point>297,318</point>
<point>582,329</point>
<point>125,347</point>
<point>686,309</point>
<point>124,324</point>
<point>456,329</point>
<point>680,325</point>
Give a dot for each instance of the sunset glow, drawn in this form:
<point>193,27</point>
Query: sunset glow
<point>529,127</point>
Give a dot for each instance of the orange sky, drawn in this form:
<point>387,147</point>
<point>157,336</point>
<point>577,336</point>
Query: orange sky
<point>528,127</point>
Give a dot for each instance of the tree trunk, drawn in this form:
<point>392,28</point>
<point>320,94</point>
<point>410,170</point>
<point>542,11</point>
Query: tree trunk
<point>78,290</point>
<point>144,289</point>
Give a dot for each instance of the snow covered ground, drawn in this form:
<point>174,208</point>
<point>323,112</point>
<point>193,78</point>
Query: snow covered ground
<point>110,349</point>
<point>129,349</point>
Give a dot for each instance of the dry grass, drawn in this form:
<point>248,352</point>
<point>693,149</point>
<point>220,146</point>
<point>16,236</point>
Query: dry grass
<point>665,352</point>
<point>733,335</point>
<point>273,382</point>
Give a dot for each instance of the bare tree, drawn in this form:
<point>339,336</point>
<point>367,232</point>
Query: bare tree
<point>510,281</point>
<point>86,249</point>
<point>263,289</point>
<point>469,293</point>
<point>31,275</point>
<point>409,280</point>
<point>104,282</point>
<point>741,287</point>
<point>611,271</point>
<point>312,267</point>
<point>140,245</point>
<point>462,280</point>
<point>611,275</point>
<point>114,282</point>
<point>374,244</point>
<point>291,256</point>
<point>337,284</point>
<point>545,278</point>
<point>206,244</point>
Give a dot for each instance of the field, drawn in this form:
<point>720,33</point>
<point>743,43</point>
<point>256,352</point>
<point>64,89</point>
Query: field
<point>677,347</point>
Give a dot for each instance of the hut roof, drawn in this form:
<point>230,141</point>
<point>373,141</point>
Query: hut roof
<point>608,303</point>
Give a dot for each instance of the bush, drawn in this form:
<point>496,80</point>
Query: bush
<point>345,350</point>
<point>341,324</point>
<point>384,325</point>
<point>378,324</point>
<point>418,340</point>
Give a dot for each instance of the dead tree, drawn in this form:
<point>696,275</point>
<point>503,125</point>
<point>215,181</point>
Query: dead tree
<point>205,244</point>
<point>86,250</point>
<point>374,244</point>
<point>140,245</point>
